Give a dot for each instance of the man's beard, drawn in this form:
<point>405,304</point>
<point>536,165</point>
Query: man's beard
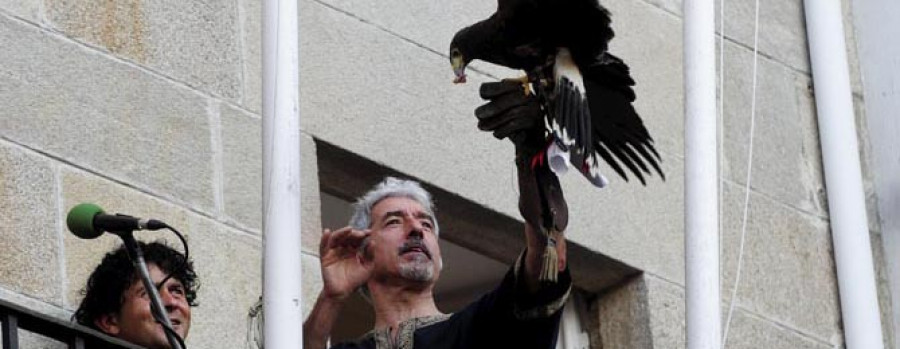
<point>420,269</point>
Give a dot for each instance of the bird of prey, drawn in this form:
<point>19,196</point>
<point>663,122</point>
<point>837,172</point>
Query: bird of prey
<point>585,92</point>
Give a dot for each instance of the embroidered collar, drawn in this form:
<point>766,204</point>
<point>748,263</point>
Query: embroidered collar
<point>405,331</point>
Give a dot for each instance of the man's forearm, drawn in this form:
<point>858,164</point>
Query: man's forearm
<point>534,256</point>
<point>319,323</point>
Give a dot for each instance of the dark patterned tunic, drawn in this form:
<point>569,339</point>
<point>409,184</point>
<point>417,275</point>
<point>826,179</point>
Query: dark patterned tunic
<point>504,318</point>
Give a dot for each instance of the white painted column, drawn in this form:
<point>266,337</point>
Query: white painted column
<point>701,248</point>
<point>281,176</point>
<point>843,177</point>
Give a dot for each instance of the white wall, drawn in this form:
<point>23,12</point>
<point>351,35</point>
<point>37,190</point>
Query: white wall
<point>878,45</point>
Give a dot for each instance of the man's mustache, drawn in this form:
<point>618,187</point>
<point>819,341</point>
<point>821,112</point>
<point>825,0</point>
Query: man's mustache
<point>415,243</point>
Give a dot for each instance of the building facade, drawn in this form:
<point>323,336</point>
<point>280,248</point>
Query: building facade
<point>153,108</point>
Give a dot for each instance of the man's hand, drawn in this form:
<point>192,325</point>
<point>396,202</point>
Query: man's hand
<point>512,113</point>
<point>344,268</point>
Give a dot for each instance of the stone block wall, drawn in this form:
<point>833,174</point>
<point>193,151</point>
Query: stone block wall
<point>136,106</point>
<point>153,108</point>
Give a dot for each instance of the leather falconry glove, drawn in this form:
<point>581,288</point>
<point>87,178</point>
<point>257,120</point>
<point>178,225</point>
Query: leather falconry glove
<point>516,114</point>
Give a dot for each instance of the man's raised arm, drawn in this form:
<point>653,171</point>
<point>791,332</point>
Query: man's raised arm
<point>516,114</point>
<point>343,271</point>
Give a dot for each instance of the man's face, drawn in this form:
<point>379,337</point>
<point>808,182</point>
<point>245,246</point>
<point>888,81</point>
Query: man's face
<point>403,243</point>
<point>135,323</point>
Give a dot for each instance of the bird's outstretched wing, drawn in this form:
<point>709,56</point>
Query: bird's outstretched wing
<point>570,114</point>
<point>618,136</point>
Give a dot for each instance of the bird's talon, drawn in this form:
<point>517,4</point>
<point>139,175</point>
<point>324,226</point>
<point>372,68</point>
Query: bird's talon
<point>526,85</point>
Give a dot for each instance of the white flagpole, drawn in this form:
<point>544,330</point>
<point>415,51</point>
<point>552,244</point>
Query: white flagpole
<point>843,177</point>
<point>701,220</point>
<point>281,176</point>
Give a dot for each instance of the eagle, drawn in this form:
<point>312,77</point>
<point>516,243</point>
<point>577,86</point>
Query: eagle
<point>585,92</point>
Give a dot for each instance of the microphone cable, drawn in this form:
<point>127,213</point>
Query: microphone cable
<point>182,266</point>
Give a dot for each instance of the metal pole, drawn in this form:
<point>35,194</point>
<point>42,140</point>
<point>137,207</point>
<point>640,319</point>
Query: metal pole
<point>281,176</point>
<point>843,177</point>
<point>701,248</point>
<point>9,329</point>
<point>156,306</point>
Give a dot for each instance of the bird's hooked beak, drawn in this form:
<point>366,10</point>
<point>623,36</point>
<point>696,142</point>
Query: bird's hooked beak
<point>459,68</point>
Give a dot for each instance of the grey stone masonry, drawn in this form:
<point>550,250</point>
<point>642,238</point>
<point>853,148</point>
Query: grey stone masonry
<point>26,9</point>
<point>648,312</point>
<point>80,105</point>
<point>242,166</point>
<point>749,331</point>
<point>193,42</point>
<point>624,318</point>
<point>782,33</point>
<point>251,38</point>
<point>665,301</point>
<point>28,228</point>
<point>788,271</point>
<point>786,154</point>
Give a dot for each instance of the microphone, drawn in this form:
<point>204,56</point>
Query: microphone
<point>88,221</point>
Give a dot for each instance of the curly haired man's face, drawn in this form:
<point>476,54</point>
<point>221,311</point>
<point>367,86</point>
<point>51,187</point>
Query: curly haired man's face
<point>135,323</point>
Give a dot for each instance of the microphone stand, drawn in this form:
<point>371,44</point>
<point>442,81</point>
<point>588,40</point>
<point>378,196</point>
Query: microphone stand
<point>137,258</point>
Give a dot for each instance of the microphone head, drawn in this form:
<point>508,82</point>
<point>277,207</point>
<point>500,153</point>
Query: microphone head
<point>81,220</point>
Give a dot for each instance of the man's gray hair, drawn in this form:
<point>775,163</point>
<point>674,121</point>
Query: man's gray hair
<point>388,188</point>
<point>391,187</point>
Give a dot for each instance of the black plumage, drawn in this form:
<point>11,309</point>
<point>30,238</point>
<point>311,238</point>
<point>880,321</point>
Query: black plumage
<point>586,91</point>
